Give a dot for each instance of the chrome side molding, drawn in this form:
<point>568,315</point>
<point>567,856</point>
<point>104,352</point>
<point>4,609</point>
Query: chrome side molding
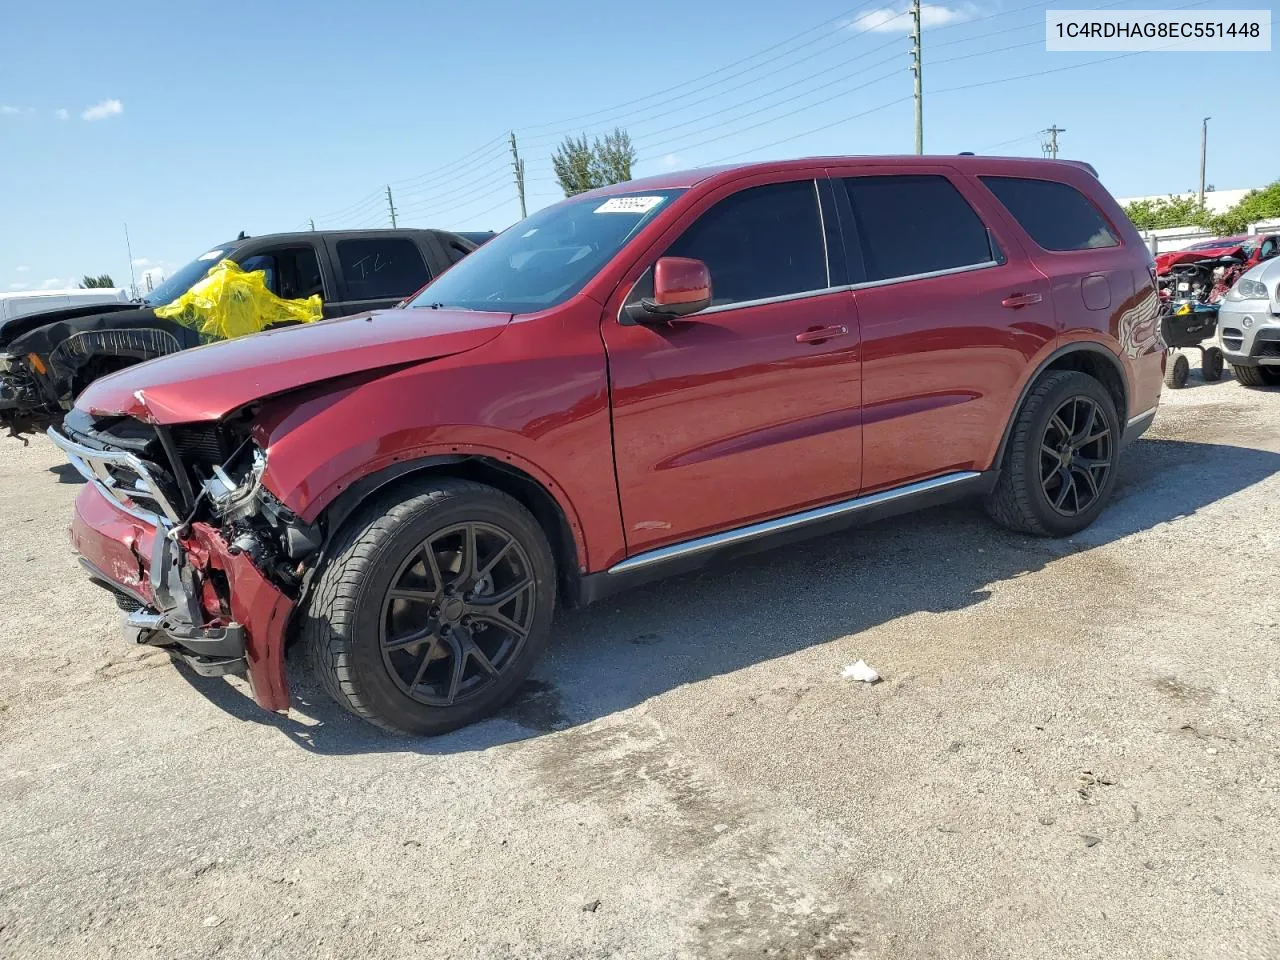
<point>790,522</point>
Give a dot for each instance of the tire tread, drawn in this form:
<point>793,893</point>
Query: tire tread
<point>358,546</point>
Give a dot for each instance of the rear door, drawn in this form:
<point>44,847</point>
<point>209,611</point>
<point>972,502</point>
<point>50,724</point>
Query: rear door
<point>951,313</point>
<point>376,271</point>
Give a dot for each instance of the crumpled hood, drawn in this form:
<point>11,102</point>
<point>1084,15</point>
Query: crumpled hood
<point>1166,260</point>
<point>207,383</point>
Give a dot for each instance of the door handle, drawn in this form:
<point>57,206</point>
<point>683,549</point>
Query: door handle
<point>1016,300</point>
<point>820,334</point>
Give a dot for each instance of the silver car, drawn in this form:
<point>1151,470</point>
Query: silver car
<point>1249,325</point>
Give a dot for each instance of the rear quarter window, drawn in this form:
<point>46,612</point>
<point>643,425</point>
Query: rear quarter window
<point>1055,215</point>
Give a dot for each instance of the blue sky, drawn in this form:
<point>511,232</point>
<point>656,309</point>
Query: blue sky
<point>194,121</point>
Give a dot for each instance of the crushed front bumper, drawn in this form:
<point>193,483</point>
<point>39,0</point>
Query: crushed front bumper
<point>193,594</point>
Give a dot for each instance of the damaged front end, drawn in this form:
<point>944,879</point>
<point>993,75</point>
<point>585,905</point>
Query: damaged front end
<point>176,522</point>
<point>24,402</point>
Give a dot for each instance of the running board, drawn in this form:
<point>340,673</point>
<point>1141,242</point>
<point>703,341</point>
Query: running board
<point>691,554</point>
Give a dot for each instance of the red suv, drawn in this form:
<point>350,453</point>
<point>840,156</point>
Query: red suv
<point>623,386</point>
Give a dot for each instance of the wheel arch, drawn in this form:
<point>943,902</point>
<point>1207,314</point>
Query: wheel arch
<point>519,484</point>
<point>1086,357</point>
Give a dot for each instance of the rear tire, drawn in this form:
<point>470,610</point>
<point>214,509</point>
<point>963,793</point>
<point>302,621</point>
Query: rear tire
<point>398,606</point>
<point>1066,433</point>
<point>1211,365</point>
<point>1256,376</point>
<point>1176,373</point>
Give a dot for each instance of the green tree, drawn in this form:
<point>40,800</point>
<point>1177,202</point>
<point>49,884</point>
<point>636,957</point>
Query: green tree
<point>581,165</point>
<point>101,280</point>
<point>1255,205</point>
<point>1172,211</point>
<point>614,156</point>
<point>573,164</point>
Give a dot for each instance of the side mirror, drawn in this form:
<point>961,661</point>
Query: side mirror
<point>681,286</point>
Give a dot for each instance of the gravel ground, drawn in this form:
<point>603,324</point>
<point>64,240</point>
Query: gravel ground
<point>1074,753</point>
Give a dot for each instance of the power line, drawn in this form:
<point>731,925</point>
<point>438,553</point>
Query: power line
<point>729,66</point>
<point>809,106</point>
<point>451,165</point>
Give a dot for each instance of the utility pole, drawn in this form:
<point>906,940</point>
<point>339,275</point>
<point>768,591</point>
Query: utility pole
<point>312,221</point>
<point>129,249</point>
<point>517,166</point>
<point>915,70</point>
<point>1051,145</point>
<point>1204,145</point>
<point>391,207</point>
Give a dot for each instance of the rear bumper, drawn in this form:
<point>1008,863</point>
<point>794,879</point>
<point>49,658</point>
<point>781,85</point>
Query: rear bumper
<point>171,580</point>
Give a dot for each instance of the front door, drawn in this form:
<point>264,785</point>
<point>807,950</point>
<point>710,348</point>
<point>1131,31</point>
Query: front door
<point>749,409</point>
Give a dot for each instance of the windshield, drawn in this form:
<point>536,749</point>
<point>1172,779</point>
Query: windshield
<point>547,258</point>
<point>184,279</point>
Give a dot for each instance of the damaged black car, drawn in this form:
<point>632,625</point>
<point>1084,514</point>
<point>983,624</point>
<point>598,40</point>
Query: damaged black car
<point>47,359</point>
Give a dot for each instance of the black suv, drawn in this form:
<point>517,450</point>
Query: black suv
<point>47,359</point>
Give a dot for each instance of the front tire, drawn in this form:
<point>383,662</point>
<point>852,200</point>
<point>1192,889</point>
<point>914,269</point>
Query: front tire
<point>432,607</point>
<point>1256,376</point>
<point>1059,466</point>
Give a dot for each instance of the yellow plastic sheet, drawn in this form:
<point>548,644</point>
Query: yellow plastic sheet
<point>229,302</point>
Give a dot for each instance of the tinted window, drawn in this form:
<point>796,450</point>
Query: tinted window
<point>762,242</point>
<point>914,224</point>
<point>1055,215</point>
<point>381,268</point>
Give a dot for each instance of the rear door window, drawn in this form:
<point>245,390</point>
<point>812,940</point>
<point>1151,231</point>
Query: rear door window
<point>759,243</point>
<point>1055,215</point>
<point>914,224</point>
<point>381,268</point>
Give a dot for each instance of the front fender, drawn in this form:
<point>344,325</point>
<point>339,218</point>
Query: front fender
<point>546,417</point>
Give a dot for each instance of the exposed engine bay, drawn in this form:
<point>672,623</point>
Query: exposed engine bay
<point>1199,281</point>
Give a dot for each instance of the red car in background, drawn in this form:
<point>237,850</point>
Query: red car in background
<point>1206,270</point>
<point>623,386</point>
<point>1251,249</point>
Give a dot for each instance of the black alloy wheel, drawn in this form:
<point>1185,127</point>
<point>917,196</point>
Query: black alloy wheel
<point>457,613</point>
<point>433,605</point>
<point>1076,454</point>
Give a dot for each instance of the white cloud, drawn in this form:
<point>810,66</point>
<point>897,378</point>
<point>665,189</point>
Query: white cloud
<point>23,269</point>
<point>53,283</point>
<point>889,20</point>
<point>100,111</point>
<point>670,160</point>
<point>17,286</point>
<point>61,113</point>
<point>145,262</point>
<point>7,110</point>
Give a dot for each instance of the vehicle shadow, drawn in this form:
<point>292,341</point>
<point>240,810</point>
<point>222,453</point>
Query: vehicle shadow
<point>66,473</point>
<point>641,644</point>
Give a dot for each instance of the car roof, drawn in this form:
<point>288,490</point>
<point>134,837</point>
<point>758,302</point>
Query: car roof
<point>311,234</point>
<point>965,163</point>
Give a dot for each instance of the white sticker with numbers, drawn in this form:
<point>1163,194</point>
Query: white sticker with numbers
<point>629,204</point>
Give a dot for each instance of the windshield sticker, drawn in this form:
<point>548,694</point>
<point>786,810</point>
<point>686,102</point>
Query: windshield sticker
<point>629,204</point>
<point>211,255</point>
